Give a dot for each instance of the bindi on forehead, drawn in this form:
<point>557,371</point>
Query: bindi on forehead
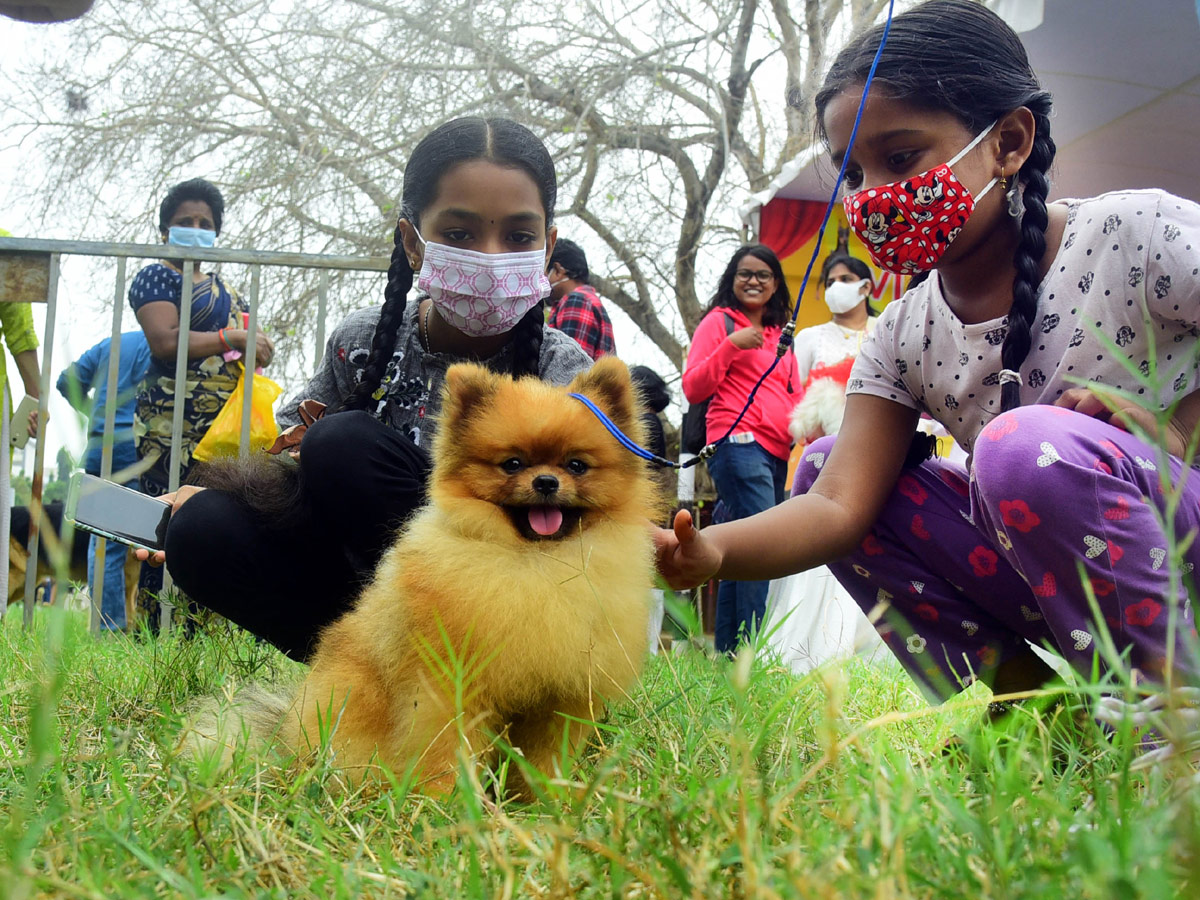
<point>482,191</point>
<point>191,210</point>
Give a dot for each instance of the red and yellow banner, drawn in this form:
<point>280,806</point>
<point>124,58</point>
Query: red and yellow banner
<point>789,227</point>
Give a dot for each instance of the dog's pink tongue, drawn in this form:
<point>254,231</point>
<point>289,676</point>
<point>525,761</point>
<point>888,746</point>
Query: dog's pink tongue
<point>545,519</point>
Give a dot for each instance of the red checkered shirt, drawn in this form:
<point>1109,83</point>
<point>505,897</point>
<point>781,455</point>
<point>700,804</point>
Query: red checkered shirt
<point>581,315</point>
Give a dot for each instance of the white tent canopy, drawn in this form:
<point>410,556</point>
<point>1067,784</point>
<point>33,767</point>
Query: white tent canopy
<point>1125,75</point>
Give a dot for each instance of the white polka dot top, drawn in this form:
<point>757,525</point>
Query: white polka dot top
<point>1124,288</point>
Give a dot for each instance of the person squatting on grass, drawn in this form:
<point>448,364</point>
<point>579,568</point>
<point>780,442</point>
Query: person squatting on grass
<point>283,550</point>
<point>949,173</point>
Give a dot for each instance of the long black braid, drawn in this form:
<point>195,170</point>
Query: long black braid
<point>383,342</point>
<point>498,140</point>
<point>527,343</point>
<point>1023,315</point>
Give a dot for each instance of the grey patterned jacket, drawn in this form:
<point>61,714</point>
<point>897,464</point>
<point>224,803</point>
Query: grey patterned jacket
<point>413,379</point>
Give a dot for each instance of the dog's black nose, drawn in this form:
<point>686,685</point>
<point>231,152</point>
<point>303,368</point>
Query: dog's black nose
<point>545,485</point>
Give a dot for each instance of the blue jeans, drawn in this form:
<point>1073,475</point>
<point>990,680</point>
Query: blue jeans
<point>749,480</point>
<point>112,603</point>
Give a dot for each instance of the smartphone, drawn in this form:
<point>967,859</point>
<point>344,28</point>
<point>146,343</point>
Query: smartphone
<point>117,513</point>
<point>18,426</point>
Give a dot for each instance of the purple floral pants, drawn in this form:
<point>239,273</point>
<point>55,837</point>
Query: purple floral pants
<point>969,569</point>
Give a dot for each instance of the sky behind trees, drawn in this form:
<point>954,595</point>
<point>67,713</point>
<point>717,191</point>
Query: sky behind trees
<point>662,116</point>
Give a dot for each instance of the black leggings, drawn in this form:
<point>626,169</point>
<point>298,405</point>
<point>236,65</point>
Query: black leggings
<point>284,582</point>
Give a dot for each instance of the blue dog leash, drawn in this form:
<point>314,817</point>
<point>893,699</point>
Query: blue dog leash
<point>789,330</point>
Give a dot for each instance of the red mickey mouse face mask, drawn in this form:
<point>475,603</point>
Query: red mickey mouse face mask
<point>907,225</point>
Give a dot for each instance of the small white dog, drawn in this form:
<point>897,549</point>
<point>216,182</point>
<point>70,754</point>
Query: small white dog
<point>819,412</point>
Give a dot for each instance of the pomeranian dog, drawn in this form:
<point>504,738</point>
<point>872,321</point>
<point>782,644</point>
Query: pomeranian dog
<point>513,608</point>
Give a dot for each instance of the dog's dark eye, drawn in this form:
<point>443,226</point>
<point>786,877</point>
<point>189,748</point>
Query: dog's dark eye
<point>512,466</point>
<point>576,466</point>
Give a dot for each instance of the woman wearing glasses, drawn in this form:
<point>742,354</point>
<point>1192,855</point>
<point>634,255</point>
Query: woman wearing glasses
<point>733,346</point>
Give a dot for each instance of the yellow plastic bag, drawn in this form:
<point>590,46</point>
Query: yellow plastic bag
<point>223,437</point>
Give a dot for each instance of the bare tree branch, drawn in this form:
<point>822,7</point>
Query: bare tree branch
<point>304,115</point>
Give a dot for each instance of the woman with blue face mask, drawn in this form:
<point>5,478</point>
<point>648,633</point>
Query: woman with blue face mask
<point>296,542</point>
<point>190,216</point>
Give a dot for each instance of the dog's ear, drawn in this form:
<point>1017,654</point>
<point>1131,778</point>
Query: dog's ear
<point>608,384</point>
<point>468,387</point>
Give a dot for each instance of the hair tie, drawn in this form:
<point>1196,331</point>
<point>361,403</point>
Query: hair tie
<point>1008,376</point>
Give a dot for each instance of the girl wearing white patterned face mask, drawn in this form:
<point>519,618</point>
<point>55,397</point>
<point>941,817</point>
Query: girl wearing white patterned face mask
<point>474,234</point>
<point>479,251</point>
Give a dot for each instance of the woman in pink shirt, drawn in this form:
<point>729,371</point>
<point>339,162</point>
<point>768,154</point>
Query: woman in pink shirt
<point>733,346</point>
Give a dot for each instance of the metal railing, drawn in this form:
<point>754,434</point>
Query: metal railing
<point>42,260</point>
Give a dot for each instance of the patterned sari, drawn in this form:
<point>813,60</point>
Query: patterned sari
<point>209,383</point>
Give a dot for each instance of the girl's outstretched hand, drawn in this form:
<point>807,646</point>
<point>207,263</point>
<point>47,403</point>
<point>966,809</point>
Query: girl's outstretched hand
<point>685,558</point>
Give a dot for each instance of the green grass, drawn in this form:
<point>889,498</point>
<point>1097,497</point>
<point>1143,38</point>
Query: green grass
<point>713,780</point>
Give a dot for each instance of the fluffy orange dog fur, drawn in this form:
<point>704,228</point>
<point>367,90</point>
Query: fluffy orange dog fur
<point>514,605</point>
